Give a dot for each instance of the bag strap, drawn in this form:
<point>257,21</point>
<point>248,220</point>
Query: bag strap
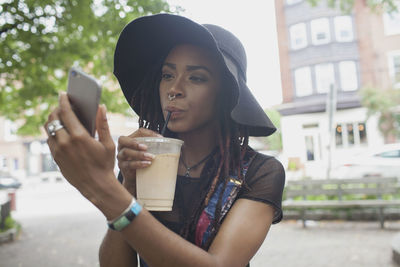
<point>205,231</point>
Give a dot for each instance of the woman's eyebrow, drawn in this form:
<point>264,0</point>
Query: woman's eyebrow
<point>188,67</point>
<point>172,66</point>
<point>191,68</point>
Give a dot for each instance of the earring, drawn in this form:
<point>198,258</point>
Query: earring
<point>171,97</point>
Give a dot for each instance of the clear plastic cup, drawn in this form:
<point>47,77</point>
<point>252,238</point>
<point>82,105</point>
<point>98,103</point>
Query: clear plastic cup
<point>155,185</point>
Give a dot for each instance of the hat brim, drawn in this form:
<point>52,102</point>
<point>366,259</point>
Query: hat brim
<point>144,41</point>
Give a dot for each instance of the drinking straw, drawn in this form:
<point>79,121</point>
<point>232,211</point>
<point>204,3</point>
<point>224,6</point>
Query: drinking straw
<point>165,124</point>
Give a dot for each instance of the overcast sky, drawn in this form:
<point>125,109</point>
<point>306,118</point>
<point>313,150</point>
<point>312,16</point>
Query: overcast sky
<point>253,22</point>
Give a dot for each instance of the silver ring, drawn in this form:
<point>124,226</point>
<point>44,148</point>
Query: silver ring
<point>54,126</point>
<point>171,97</point>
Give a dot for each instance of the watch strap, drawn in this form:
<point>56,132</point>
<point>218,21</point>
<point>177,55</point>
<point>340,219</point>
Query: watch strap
<point>126,217</point>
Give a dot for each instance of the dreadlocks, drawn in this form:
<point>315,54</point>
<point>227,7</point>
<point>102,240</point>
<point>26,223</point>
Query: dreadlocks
<point>232,140</point>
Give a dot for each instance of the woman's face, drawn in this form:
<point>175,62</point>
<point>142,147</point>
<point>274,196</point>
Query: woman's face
<point>191,75</point>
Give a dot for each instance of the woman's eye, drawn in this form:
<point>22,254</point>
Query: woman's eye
<point>166,76</point>
<point>197,79</point>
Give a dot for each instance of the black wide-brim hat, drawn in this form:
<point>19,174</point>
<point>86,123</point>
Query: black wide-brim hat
<point>144,41</point>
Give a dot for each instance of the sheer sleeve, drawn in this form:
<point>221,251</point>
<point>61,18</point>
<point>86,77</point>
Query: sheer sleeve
<point>265,180</point>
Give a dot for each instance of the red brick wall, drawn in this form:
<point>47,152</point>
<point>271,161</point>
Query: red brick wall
<point>364,31</point>
<point>373,46</point>
<point>283,43</point>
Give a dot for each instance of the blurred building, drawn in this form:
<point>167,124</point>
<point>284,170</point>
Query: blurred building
<point>26,157</point>
<point>319,47</point>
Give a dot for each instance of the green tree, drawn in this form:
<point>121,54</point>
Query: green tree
<point>347,5</point>
<point>386,105</point>
<point>274,141</point>
<point>41,39</point>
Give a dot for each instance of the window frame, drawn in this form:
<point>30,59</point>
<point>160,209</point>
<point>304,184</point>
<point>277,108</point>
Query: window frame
<point>338,29</point>
<point>389,27</point>
<point>292,29</point>
<point>344,134</point>
<point>391,69</point>
<point>317,77</point>
<point>317,23</point>
<point>293,2</point>
<point>295,73</point>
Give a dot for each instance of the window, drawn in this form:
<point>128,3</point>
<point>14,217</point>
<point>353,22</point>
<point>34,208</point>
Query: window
<point>394,68</point>
<point>10,131</point>
<point>362,132</point>
<point>320,33</point>
<point>302,77</point>
<point>325,77</point>
<point>16,164</point>
<point>391,22</point>
<point>298,36</point>
<point>343,29</point>
<point>3,163</point>
<point>351,134</point>
<point>310,148</point>
<point>292,2</point>
<point>348,75</point>
<point>338,136</point>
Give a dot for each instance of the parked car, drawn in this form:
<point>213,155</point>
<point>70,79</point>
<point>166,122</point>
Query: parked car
<point>381,162</point>
<point>8,182</point>
<point>51,176</point>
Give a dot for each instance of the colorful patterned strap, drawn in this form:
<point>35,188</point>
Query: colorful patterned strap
<point>205,232</point>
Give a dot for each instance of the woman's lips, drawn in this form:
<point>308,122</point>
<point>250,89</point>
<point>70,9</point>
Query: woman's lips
<point>175,112</point>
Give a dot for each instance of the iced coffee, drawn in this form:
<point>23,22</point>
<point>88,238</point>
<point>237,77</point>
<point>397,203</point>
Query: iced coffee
<point>155,185</point>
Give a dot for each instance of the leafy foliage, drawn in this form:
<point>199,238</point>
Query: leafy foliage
<point>40,41</point>
<point>275,141</point>
<point>385,104</point>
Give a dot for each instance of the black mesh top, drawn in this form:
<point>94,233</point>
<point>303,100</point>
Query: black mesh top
<point>265,180</point>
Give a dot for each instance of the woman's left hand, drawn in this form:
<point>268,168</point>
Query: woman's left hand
<point>85,162</point>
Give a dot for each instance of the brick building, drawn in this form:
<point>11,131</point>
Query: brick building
<point>320,47</point>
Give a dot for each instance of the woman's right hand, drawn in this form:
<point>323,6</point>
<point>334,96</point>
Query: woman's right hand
<point>132,156</point>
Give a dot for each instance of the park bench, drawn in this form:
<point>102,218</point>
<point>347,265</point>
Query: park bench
<point>370,192</point>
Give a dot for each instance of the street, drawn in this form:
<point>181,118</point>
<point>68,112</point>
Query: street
<point>61,228</point>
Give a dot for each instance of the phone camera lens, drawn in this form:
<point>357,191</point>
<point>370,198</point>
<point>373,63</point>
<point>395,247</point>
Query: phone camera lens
<point>73,73</point>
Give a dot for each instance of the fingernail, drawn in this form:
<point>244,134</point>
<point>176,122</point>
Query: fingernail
<point>146,163</point>
<point>142,146</point>
<point>149,155</point>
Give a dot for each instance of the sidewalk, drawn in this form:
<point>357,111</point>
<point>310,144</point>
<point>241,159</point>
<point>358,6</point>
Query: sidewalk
<point>60,228</point>
<point>329,243</point>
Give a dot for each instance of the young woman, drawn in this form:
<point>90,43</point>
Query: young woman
<point>227,195</point>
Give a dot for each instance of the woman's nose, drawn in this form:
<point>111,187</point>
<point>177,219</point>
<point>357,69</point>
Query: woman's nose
<point>177,88</point>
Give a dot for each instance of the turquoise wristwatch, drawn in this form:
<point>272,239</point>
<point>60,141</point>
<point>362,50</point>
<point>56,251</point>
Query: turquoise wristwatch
<point>126,217</point>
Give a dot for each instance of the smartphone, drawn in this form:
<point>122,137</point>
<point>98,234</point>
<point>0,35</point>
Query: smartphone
<point>84,94</point>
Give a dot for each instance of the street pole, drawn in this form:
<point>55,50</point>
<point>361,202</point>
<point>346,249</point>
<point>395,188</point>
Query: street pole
<point>331,110</point>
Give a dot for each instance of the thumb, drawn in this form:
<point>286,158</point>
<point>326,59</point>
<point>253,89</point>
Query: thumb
<point>103,129</point>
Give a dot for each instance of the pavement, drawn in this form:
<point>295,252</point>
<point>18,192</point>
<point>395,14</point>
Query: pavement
<point>328,243</point>
<point>62,229</point>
